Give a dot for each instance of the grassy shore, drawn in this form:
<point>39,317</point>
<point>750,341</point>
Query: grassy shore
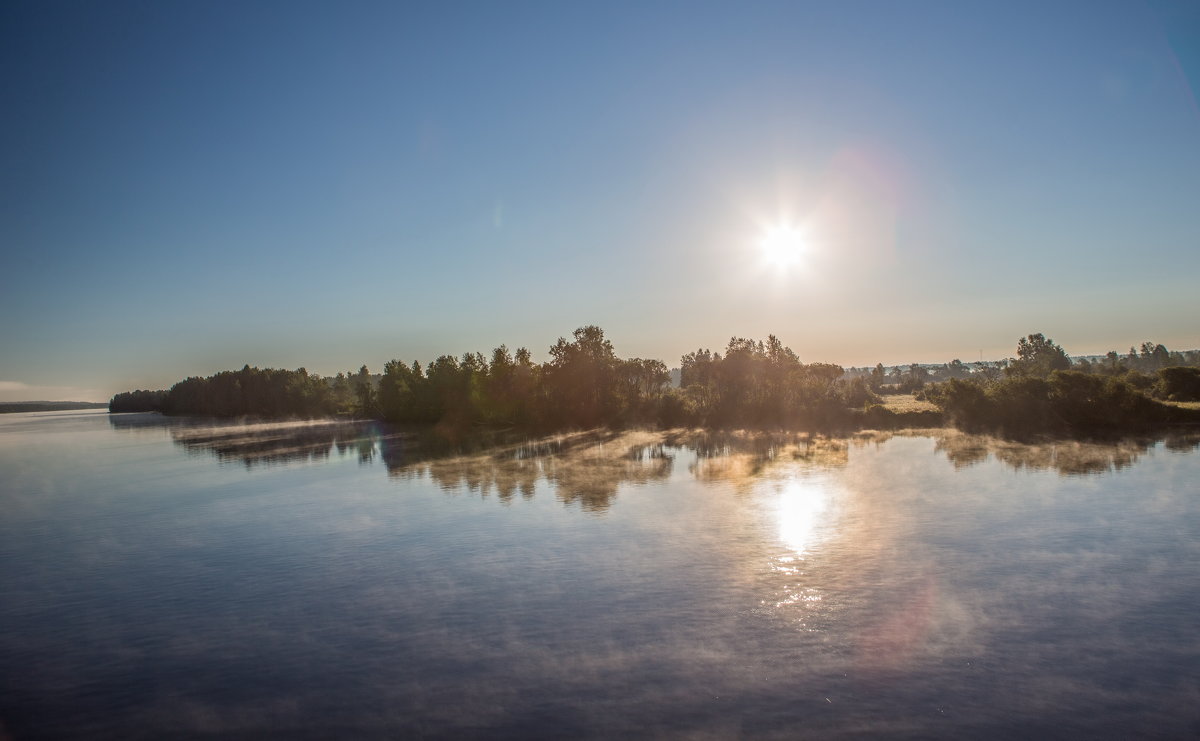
<point>1184,404</point>
<point>904,403</point>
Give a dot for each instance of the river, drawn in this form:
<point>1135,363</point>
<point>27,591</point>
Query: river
<point>191,579</point>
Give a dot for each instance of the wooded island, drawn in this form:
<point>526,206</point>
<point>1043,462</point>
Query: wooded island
<point>752,384</point>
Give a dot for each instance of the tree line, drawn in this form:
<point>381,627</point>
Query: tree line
<point>750,383</point>
<point>1139,367</point>
<point>250,391</point>
<point>1044,392</point>
<point>583,384</point>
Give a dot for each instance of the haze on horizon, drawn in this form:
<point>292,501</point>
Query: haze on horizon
<point>190,187</point>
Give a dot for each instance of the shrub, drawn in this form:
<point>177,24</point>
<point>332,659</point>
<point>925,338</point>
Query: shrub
<point>964,403</point>
<point>1178,384</point>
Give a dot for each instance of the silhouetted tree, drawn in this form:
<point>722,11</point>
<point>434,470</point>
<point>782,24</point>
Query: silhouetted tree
<point>138,401</point>
<point>1037,356</point>
<point>878,377</point>
<point>364,394</point>
<point>580,378</point>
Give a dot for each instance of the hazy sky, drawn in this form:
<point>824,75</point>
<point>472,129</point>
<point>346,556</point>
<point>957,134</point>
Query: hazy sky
<point>187,187</point>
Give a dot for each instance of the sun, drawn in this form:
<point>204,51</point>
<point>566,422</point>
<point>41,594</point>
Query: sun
<point>782,245</point>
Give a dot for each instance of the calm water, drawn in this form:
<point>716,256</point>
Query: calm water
<point>180,580</point>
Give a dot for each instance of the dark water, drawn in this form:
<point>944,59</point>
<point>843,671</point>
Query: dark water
<point>317,581</point>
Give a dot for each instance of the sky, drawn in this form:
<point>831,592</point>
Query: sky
<point>188,187</point>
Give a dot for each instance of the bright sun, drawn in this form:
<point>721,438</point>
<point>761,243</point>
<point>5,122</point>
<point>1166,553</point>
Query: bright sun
<point>782,245</point>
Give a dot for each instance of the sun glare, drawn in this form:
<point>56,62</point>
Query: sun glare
<point>782,245</point>
<point>802,510</point>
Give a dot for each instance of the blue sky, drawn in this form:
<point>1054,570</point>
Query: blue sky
<point>188,187</point>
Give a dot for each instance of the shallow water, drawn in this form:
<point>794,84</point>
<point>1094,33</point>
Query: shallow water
<point>167,578</point>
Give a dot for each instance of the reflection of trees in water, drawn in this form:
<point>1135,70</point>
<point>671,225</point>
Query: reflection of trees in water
<point>591,475</point>
<point>740,456</point>
<point>1182,443</point>
<point>588,468</point>
<point>583,468</point>
<point>1068,457</point>
<point>259,443</point>
<point>297,442</point>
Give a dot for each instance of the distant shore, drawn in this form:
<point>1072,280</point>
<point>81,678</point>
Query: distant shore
<point>11,407</point>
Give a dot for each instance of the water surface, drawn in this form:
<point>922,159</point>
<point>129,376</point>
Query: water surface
<point>309,580</point>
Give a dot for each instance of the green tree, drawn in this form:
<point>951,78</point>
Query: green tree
<point>696,368</point>
<point>364,394</point>
<point>878,376</point>
<point>640,385</point>
<point>1037,357</point>
<point>580,378</point>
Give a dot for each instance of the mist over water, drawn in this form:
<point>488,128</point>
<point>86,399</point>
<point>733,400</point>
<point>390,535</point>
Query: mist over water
<point>164,577</point>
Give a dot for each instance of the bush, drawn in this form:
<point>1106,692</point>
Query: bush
<point>1178,384</point>
<point>857,394</point>
<point>1139,381</point>
<point>673,409</point>
<point>1022,406</point>
<point>964,403</point>
<point>1067,402</point>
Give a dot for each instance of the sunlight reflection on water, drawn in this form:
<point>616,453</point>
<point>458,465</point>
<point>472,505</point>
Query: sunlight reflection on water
<point>804,508</point>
